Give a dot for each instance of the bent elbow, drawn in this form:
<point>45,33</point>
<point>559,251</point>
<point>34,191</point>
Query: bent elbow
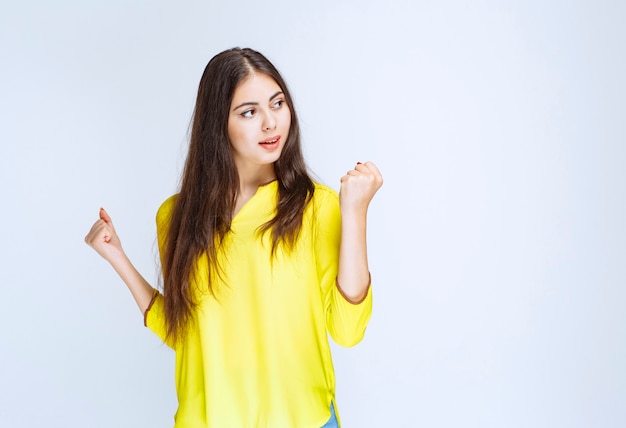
<point>347,339</point>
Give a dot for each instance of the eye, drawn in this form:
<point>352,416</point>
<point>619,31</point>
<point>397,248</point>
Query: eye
<point>278,104</point>
<point>248,113</point>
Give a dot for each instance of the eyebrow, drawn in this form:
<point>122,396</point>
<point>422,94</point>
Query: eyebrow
<point>252,103</point>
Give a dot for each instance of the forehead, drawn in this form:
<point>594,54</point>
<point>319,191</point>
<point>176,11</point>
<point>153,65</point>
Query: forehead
<point>257,87</point>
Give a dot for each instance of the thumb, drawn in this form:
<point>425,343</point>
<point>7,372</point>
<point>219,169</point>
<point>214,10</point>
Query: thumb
<point>108,232</point>
<point>105,216</point>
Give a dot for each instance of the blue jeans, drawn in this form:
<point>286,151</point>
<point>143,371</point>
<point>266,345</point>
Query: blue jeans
<point>332,422</point>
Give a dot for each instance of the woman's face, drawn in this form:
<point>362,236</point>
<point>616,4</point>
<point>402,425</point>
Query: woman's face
<point>258,122</point>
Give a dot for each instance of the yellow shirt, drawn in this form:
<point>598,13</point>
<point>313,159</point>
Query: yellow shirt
<point>258,355</point>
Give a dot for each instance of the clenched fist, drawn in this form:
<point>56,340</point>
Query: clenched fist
<point>103,238</point>
<point>359,186</point>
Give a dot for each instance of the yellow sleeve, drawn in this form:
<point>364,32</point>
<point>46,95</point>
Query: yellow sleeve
<point>154,317</point>
<point>346,321</point>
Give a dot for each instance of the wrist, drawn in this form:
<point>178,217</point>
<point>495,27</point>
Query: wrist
<point>117,258</point>
<point>354,212</point>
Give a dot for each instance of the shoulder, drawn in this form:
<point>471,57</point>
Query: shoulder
<point>324,193</point>
<point>165,210</point>
<point>325,202</point>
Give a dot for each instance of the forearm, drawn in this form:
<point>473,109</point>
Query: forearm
<point>353,274</point>
<point>141,290</point>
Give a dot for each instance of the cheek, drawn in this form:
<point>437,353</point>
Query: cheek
<point>236,132</point>
<point>231,130</point>
<point>287,118</point>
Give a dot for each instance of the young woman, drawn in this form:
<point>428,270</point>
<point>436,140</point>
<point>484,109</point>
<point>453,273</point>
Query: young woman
<point>259,262</point>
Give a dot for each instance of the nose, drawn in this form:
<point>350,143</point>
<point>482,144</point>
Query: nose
<point>269,123</point>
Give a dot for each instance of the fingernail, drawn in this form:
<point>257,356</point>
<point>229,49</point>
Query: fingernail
<point>359,163</point>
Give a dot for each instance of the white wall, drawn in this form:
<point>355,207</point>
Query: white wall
<point>498,242</point>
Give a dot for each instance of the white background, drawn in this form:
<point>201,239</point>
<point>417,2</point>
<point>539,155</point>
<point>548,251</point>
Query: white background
<point>497,244</point>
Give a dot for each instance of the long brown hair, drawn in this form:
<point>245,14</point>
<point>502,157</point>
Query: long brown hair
<point>203,211</point>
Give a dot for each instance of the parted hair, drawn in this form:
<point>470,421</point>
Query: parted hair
<point>203,211</point>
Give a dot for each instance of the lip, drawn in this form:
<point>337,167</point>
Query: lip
<point>271,141</point>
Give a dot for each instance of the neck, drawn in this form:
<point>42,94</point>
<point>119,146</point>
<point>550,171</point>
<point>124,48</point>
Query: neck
<point>251,178</point>
<point>249,182</point>
<point>255,176</point>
